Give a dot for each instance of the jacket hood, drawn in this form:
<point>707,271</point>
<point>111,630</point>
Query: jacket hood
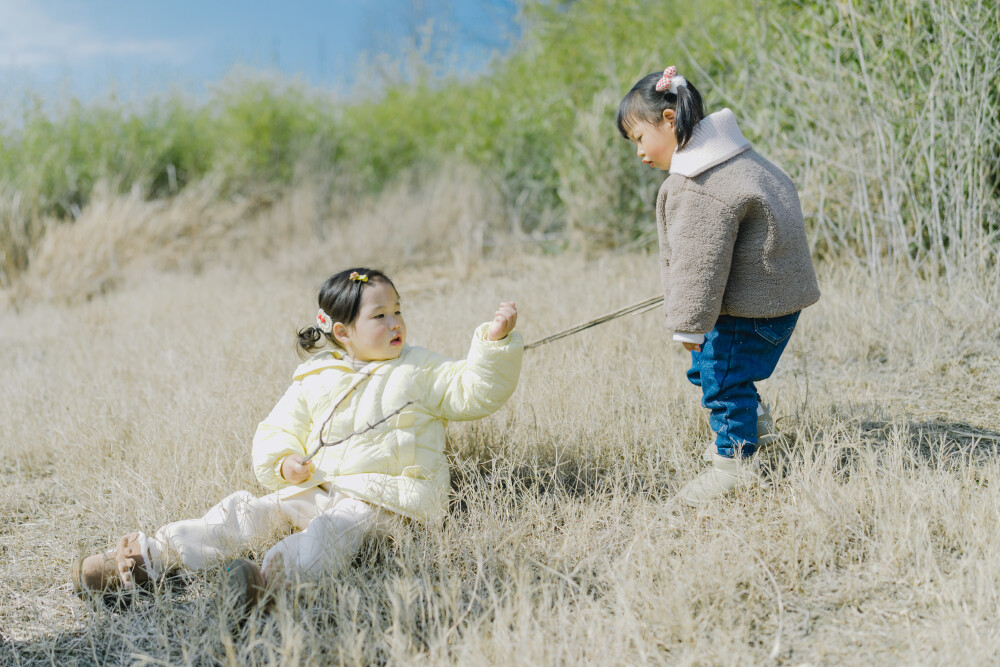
<point>322,360</point>
<point>716,139</point>
<point>336,358</point>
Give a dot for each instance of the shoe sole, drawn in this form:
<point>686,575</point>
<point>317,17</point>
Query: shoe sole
<point>76,575</point>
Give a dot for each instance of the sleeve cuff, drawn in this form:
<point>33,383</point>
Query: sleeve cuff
<point>696,338</point>
<point>480,335</point>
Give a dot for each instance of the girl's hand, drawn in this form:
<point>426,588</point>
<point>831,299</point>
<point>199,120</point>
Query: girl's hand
<point>692,347</point>
<point>294,471</point>
<point>503,321</point>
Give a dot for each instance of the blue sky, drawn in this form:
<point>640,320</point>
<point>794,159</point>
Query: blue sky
<point>61,49</point>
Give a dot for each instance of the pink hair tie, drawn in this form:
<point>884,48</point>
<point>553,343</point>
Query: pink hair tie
<point>670,80</point>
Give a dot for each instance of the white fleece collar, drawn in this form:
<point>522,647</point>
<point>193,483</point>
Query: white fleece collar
<point>716,139</point>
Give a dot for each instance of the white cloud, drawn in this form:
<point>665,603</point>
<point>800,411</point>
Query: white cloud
<point>30,38</point>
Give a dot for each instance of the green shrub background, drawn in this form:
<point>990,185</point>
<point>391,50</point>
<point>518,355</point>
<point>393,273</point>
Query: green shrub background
<point>886,114</point>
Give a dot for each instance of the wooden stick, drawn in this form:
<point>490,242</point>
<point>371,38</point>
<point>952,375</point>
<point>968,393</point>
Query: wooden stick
<point>640,307</point>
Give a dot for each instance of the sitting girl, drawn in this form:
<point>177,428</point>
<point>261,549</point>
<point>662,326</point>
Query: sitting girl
<point>357,439</point>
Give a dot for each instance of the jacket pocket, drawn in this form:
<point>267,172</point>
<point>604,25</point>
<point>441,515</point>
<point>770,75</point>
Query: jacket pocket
<point>776,330</point>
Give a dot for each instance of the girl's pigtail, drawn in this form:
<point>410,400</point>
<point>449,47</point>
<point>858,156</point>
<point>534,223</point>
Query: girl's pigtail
<point>688,112</point>
<point>655,93</point>
<point>309,338</point>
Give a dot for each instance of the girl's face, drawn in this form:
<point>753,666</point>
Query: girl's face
<point>379,332</point>
<point>655,144</point>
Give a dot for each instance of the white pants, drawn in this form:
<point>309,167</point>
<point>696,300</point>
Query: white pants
<point>332,527</point>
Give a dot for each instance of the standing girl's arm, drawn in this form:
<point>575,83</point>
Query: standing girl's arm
<point>701,235</point>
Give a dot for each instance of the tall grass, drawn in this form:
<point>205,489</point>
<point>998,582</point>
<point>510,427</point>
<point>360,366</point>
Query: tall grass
<point>889,115</point>
<point>886,114</point>
<point>447,218</point>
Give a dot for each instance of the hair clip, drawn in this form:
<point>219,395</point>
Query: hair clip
<point>670,80</point>
<point>359,277</point>
<point>323,321</point>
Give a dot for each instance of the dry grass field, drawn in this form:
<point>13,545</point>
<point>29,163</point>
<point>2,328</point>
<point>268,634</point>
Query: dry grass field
<point>147,342</point>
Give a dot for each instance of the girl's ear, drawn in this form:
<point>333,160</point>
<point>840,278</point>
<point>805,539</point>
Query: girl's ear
<point>340,334</point>
<point>668,115</point>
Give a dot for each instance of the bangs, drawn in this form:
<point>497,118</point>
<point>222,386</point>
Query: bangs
<point>631,112</point>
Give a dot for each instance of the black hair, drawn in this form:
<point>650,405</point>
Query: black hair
<point>645,103</point>
<point>340,299</point>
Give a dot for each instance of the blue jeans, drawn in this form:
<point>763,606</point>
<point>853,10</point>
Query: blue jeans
<point>737,352</point>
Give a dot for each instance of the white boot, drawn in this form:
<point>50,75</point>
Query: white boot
<point>766,433</point>
<point>725,475</point>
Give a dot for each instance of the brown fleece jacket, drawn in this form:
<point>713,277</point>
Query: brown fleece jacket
<point>732,238</point>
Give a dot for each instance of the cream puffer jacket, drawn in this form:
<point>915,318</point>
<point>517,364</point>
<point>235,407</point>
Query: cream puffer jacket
<point>400,464</point>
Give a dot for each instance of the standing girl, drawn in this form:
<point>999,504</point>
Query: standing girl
<point>734,258</point>
<point>357,439</point>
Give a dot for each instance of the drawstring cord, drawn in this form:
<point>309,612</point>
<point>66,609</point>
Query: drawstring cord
<point>365,376</point>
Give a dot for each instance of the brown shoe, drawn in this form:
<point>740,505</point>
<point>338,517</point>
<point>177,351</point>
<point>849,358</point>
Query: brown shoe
<point>242,586</point>
<point>121,567</point>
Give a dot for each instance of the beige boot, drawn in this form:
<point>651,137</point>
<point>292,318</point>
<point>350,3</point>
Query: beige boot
<point>725,475</point>
<point>121,567</point>
<point>766,433</point>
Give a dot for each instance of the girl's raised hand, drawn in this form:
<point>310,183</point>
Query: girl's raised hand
<point>503,321</point>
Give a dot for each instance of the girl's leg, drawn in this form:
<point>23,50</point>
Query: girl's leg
<point>329,541</point>
<point>727,387</point>
<point>694,373</point>
<point>225,529</point>
<point>736,353</point>
<point>195,543</point>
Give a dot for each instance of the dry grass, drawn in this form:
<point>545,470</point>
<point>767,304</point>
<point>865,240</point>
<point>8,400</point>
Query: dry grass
<point>443,218</point>
<point>872,541</point>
